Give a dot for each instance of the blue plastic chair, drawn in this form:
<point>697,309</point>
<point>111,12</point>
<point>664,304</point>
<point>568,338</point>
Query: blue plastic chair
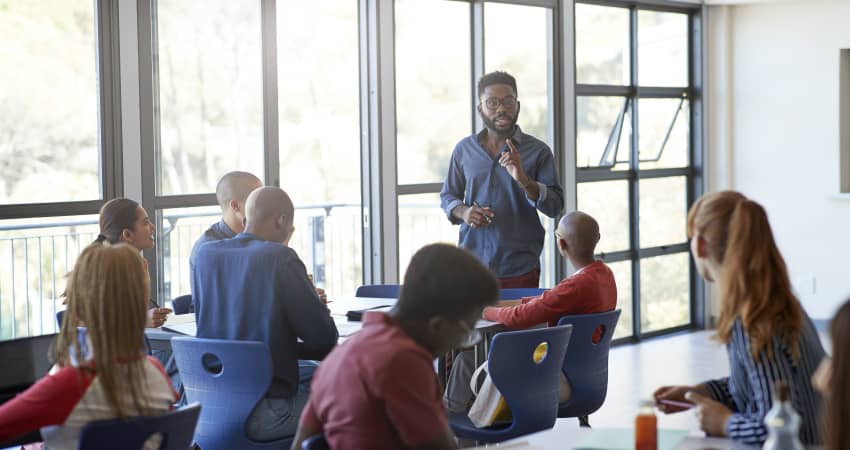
<point>378,290</point>
<point>529,388</point>
<point>315,442</point>
<point>182,304</point>
<point>228,392</point>
<point>518,293</point>
<point>176,428</point>
<point>586,363</point>
<point>59,316</point>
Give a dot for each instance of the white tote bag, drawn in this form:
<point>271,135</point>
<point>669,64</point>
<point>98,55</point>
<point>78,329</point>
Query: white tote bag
<point>489,406</point>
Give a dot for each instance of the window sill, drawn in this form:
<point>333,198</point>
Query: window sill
<point>840,196</point>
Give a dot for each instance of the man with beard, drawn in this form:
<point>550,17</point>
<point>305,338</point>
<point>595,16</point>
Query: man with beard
<point>497,181</point>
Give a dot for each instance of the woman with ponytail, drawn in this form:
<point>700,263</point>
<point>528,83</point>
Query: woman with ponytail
<point>832,379</point>
<point>108,290</point>
<point>124,220</point>
<point>768,336</point>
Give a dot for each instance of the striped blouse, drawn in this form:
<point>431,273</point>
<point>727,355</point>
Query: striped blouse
<point>748,390</point>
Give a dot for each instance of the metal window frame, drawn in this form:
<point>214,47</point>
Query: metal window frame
<point>692,173</point>
<point>110,171</point>
<point>555,39</point>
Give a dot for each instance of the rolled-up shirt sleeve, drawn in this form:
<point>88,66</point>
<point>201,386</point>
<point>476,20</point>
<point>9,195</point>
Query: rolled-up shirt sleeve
<point>551,198</point>
<point>451,196</point>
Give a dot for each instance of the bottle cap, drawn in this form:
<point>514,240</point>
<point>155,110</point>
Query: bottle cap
<point>782,391</point>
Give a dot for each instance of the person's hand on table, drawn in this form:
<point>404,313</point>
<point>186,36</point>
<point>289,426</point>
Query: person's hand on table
<point>712,415</point>
<point>673,394</point>
<point>157,317</point>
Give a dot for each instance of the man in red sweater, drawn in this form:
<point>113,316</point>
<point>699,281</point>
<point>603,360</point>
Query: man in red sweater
<point>591,289</point>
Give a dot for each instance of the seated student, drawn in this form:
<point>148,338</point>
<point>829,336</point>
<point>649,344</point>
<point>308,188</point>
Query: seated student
<point>832,380</point>
<point>108,290</point>
<point>767,334</point>
<point>254,287</point>
<point>378,390</point>
<point>124,220</point>
<point>591,289</point>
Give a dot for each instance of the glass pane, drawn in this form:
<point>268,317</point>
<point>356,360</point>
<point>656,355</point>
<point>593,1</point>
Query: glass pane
<point>421,222</point>
<point>623,277</point>
<point>604,128</point>
<point>48,102</point>
<point>663,211</point>
<point>608,203</point>
<point>177,231</point>
<point>432,86</point>
<point>35,255</point>
<point>602,45</point>
<point>524,53</point>
<point>319,111</point>
<point>662,49</point>
<point>322,239</point>
<point>664,132</point>
<point>210,86</point>
<point>664,292</point>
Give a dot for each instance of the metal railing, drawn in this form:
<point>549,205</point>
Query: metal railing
<point>34,258</point>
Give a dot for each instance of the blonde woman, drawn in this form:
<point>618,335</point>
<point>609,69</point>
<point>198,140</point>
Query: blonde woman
<point>767,334</point>
<point>108,290</point>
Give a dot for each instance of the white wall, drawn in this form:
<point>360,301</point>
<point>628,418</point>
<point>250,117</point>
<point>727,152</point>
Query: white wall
<point>773,124</point>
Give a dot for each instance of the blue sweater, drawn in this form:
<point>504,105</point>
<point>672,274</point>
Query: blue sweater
<point>246,288</point>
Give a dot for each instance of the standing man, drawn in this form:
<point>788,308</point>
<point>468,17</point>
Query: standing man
<point>497,181</point>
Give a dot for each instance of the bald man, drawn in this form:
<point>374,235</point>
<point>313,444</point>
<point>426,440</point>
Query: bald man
<point>591,289</point>
<point>254,287</point>
<point>231,192</point>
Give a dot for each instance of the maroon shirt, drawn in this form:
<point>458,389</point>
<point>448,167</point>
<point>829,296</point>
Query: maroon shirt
<point>377,390</point>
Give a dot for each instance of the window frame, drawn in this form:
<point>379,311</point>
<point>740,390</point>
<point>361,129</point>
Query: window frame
<point>692,172</point>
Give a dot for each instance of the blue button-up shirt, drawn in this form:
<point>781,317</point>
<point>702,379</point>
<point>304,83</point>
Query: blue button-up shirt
<point>512,243</point>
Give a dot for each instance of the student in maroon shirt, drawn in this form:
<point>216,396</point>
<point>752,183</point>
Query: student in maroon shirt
<point>591,289</point>
<point>378,390</point>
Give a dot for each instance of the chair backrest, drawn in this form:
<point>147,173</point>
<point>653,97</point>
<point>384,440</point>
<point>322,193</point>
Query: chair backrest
<point>228,378</point>
<point>182,304</point>
<point>530,388</point>
<point>518,293</point>
<point>25,361</point>
<point>586,362</point>
<point>315,442</point>
<point>378,290</point>
<point>175,427</point>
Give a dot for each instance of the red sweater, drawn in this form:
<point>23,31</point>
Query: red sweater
<point>590,290</point>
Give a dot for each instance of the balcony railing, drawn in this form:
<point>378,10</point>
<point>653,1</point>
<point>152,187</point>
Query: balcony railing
<point>34,258</point>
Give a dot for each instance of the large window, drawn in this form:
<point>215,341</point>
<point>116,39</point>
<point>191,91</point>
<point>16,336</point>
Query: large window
<point>54,173</point>
<point>635,154</point>
<point>244,85</point>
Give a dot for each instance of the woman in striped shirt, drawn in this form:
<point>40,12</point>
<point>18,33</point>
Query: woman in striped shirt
<point>767,334</point>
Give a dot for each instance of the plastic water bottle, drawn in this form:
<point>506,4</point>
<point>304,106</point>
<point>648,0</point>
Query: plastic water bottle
<point>783,423</point>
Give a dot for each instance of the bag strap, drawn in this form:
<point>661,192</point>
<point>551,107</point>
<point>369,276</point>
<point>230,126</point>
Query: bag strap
<point>474,385</point>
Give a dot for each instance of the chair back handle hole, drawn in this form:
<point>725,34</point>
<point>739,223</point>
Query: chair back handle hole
<point>211,364</point>
<point>540,353</point>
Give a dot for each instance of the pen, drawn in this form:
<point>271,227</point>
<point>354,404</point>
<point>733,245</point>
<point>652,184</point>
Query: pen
<point>675,403</point>
<point>486,217</point>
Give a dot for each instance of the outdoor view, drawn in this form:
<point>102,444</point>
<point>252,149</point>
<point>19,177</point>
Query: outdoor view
<point>211,121</point>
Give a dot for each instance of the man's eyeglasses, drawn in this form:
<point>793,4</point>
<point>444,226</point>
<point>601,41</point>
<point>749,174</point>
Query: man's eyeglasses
<point>492,103</point>
<point>473,336</point>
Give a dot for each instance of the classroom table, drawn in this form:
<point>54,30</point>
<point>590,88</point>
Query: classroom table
<point>566,435</point>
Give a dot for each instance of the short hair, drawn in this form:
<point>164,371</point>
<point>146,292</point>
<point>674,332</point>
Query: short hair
<point>117,215</point>
<point>497,77</point>
<point>443,280</point>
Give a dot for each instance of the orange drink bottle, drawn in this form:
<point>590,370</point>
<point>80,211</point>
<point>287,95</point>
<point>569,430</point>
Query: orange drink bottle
<point>646,427</point>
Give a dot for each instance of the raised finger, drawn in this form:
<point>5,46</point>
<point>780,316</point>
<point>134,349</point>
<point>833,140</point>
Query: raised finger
<point>511,145</point>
